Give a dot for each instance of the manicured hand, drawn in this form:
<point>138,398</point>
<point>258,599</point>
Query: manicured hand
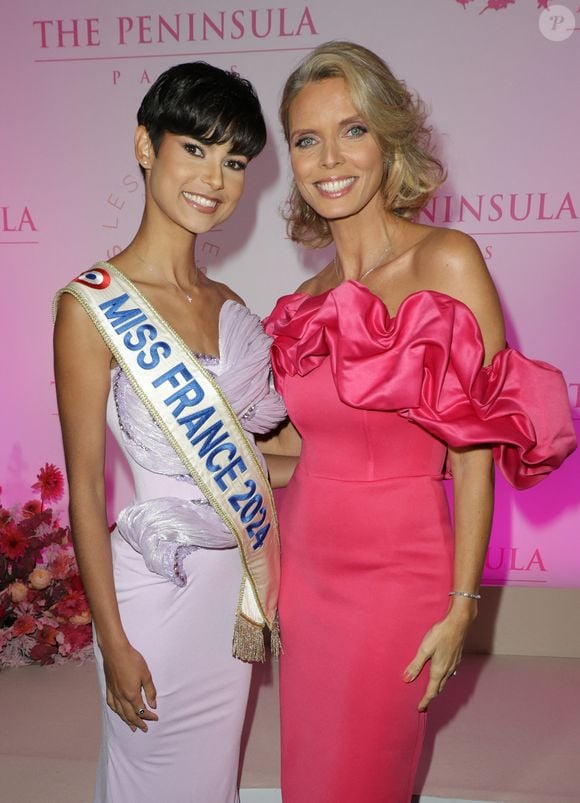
<point>442,646</point>
<point>128,680</point>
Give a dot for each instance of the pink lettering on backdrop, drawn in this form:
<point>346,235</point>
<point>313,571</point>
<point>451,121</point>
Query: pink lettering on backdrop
<point>193,26</point>
<point>513,559</point>
<point>117,201</point>
<point>19,220</point>
<point>68,33</point>
<point>210,248</point>
<point>515,207</point>
<point>260,23</point>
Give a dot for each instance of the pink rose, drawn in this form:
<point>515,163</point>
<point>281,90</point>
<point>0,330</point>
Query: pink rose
<point>40,578</point>
<point>18,591</point>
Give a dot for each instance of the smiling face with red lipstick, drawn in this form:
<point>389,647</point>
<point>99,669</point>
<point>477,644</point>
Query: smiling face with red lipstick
<point>198,127</point>
<point>343,106</point>
<point>337,164</point>
<point>191,183</point>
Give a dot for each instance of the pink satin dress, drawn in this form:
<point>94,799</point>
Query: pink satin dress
<point>367,545</point>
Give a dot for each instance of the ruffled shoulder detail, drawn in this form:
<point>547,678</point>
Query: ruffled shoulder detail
<point>244,374</point>
<point>426,364</point>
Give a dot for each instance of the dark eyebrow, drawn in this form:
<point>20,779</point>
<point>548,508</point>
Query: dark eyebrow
<point>238,154</point>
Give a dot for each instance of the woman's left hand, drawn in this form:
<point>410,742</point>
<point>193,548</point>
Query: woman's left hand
<point>443,647</point>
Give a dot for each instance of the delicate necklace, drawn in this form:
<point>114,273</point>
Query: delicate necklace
<point>147,264</point>
<point>368,270</point>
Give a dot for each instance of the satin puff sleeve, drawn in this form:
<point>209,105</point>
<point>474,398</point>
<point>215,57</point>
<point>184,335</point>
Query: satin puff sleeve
<point>426,364</point>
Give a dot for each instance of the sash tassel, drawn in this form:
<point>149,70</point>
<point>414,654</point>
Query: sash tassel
<point>249,643</point>
<point>275,640</point>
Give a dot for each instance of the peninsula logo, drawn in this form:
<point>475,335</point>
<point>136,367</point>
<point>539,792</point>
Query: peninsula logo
<point>215,26</point>
<point>17,226</point>
<point>515,564</point>
<point>532,208</point>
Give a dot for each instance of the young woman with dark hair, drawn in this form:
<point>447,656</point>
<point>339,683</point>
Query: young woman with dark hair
<point>179,369</point>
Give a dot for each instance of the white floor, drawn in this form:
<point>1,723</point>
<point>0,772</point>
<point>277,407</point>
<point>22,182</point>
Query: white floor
<point>274,796</point>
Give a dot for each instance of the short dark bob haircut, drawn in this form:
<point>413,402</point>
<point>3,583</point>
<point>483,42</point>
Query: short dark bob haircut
<point>204,102</point>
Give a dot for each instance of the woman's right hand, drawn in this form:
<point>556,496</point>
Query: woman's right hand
<point>281,448</point>
<point>128,680</point>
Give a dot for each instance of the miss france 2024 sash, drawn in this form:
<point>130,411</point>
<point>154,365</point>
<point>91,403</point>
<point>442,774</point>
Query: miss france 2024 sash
<point>199,423</point>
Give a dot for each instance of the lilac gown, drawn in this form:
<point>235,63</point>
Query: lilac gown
<point>183,631</point>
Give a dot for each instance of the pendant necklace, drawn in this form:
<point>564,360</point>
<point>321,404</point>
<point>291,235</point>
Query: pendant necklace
<point>150,265</point>
<point>376,265</point>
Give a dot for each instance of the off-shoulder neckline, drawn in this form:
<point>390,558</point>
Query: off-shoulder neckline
<point>437,294</point>
<point>379,300</point>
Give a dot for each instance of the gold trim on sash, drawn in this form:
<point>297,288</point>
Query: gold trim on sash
<point>163,377</point>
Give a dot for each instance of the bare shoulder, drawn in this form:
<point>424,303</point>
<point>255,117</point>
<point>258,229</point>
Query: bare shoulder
<point>232,296</point>
<point>70,315</point>
<point>451,256</point>
<point>450,262</point>
<point>224,292</point>
<point>308,286</point>
<point>75,335</point>
<point>323,281</point>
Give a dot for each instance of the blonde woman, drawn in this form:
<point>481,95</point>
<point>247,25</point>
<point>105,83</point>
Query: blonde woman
<point>392,364</point>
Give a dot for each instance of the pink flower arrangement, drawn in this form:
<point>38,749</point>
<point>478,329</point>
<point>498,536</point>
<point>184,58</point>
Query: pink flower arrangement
<point>44,614</point>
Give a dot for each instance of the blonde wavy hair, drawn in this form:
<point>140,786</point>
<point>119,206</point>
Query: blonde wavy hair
<point>396,119</point>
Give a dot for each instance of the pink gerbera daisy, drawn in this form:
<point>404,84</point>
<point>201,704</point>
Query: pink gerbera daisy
<point>12,542</point>
<point>50,483</point>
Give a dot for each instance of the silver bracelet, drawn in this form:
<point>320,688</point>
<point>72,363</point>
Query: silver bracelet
<point>467,594</point>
